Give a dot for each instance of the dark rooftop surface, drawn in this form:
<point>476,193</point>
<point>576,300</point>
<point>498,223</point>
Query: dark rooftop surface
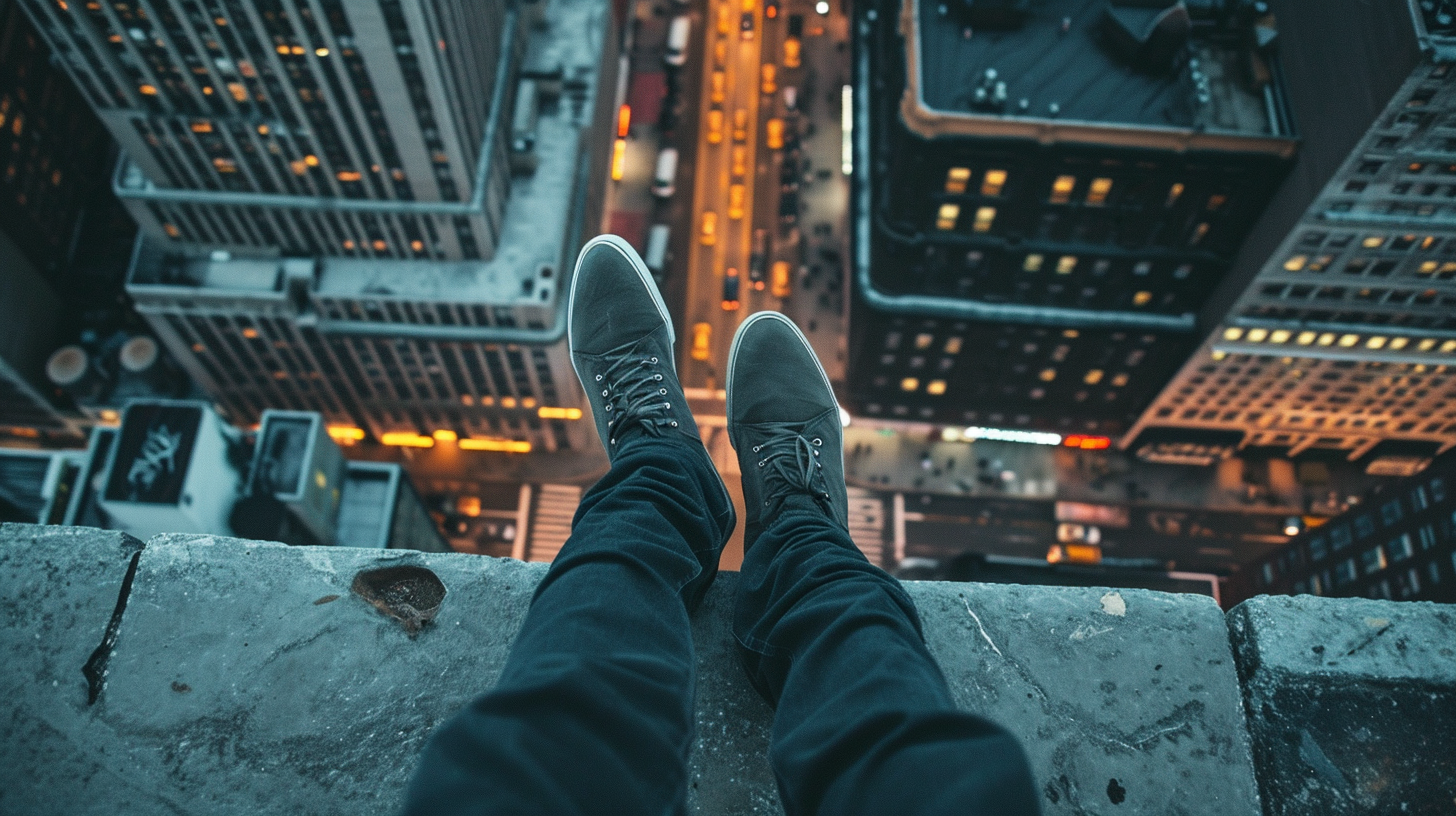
<point>1076,71</point>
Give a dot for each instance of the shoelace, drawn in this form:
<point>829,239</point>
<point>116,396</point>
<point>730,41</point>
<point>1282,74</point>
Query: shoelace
<point>791,466</point>
<point>634,395</point>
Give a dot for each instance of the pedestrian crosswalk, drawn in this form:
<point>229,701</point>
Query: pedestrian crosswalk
<point>551,520</point>
<point>867,524</point>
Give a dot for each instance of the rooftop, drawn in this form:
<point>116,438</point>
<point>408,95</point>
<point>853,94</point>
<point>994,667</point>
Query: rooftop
<point>1063,64</point>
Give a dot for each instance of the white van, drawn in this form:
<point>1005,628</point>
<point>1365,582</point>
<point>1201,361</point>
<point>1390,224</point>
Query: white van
<point>677,41</point>
<point>657,247</point>
<point>666,173</point>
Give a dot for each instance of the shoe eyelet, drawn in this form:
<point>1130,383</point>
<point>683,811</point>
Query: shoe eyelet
<point>816,453</point>
<point>674,423</point>
<point>756,447</point>
<point>613,441</point>
<point>599,378</point>
<point>667,405</point>
<point>818,441</point>
<point>609,406</point>
<point>654,360</point>
<point>657,377</point>
<point>604,392</point>
<point>662,391</point>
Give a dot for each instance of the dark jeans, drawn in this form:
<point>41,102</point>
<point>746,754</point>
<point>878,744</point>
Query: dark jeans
<point>594,711</point>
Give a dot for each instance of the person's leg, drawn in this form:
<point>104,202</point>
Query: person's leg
<point>593,712</point>
<point>865,722</point>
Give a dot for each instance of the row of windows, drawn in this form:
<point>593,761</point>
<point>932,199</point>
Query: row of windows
<point>1067,189</point>
<point>1343,340</point>
<point>951,217</point>
<point>1360,294</point>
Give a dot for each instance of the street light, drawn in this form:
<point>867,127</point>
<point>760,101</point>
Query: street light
<point>822,7</point>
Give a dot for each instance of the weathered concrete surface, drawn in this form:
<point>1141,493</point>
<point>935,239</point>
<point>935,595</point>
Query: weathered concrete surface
<point>1125,700</point>
<point>248,678</point>
<point>1352,703</point>
<point>58,592</point>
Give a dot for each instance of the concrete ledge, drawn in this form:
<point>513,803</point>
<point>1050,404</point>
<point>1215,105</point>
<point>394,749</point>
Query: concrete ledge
<point>1352,703</point>
<point>249,677</point>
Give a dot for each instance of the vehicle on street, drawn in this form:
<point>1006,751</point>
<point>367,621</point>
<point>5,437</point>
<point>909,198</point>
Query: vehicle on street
<point>781,280</point>
<point>736,195</point>
<point>1068,533</point>
<point>792,55</point>
<point>725,19</point>
<point>775,134</point>
<point>715,126</point>
<point>746,25</point>
<point>789,209</point>
<point>730,290</point>
<point>758,257</point>
<point>709,232</point>
<point>664,176</point>
<point>702,336</point>
<point>740,125</point>
<point>677,41</point>
<point>791,97</point>
<point>769,74</point>
<point>719,88</point>
<point>720,53</point>
<point>740,161</point>
<point>657,247</point>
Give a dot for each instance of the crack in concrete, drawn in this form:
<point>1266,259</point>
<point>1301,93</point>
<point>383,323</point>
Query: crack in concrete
<point>979,625</point>
<point>95,668</point>
<point>1369,640</point>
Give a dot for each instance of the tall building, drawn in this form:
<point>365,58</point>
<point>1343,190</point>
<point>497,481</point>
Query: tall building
<point>345,128</point>
<point>440,344</point>
<point>1344,339</point>
<point>1399,543</point>
<point>1044,195</point>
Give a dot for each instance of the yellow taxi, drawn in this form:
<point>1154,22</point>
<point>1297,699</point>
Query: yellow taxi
<point>735,201</point>
<point>791,52</point>
<point>725,19</point>
<point>702,336</point>
<point>719,89</point>
<point>780,279</point>
<point>769,74</point>
<point>715,126</point>
<point>720,53</point>
<point>740,161</point>
<point>775,131</point>
<point>708,236</point>
<point>740,125</point>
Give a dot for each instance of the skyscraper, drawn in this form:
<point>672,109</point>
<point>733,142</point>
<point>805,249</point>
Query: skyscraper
<point>1044,195</point>
<point>334,219</point>
<point>348,128</point>
<point>1346,336</point>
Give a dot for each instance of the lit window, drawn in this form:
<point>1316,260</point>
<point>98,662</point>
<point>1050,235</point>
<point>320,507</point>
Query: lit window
<point>994,181</point>
<point>946,218</point>
<point>1218,355</point>
<point>1349,340</point>
<point>321,52</point>
<point>1032,263</point>
<point>1199,233</point>
<point>1233,333</point>
<point>956,178</point>
<point>1279,336</point>
<point>1120,380</point>
<point>1216,201</point>
<point>1174,193</point>
<point>202,126</point>
<point>1142,298</point>
<point>1427,268</point>
<point>1062,189</point>
<point>1376,342</point>
<point>283,49</point>
<point>936,387</point>
<point>240,93</point>
<point>1305,338</point>
<point>262,130</point>
<point>348,175</point>
<point>297,50</point>
<point>923,340</point>
<point>1258,335</point>
<point>250,333</point>
<point>909,384</point>
<point>171,230</point>
<point>1427,344</point>
<point>985,217</point>
<point>1093,377</point>
<point>1048,374</point>
<point>1373,242</point>
<point>1448,346</point>
<point>1327,339</point>
<point>1428,242</point>
<point>1398,343</point>
<point>225,165</point>
<point>417,245</point>
<point>953,345</point>
<point>1295,264</point>
<point>299,166</point>
<point>379,245</point>
<point>1066,264</point>
<point>1097,192</point>
<point>311,160</point>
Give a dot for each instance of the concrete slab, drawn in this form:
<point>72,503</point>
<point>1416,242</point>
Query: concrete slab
<point>1352,703</point>
<point>1125,700</point>
<point>58,592</point>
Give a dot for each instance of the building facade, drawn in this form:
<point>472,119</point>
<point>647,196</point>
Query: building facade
<point>414,351</point>
<point>1039,213</point>
<point>1346,337</point>
<point>342,128</point>
<point>1398,544</point>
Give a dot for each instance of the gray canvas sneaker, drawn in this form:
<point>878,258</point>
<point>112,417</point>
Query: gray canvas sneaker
<point>621,337</point>
<point>784,423</point>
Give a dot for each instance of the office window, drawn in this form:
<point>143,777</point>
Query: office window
<point>1032,263</point>
<point>1317,548</point>
<point>1364,528</point>
<point>993,182</point>
<point>1373,559</point>
<point>909,384</point>
<point>1427,535</point>
<point>1390,512</point>
<point>1267,574</point>
<point>985,217</point>
<point>956,179</point>
<point>946,218</point>
<point>1400,548</point>
<point>1175,192</point>
<point>1340,536</point>
<point>1098,190</point>
<point>1062,189</point>
<point>1066,264</point>
<point>1438,489</point>
<point>1345,572</point>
